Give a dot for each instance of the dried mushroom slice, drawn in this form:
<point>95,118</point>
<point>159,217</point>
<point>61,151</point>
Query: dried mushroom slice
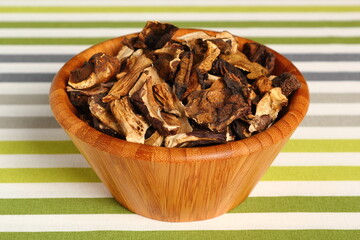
<point>98,110</point>
<point>145,100</point>
<point>194,139</point>
<point>258,53</point>
<point>166,99</point>
<point>226,36</point>
<point>239,60</point>
<point>149,72</point>
<point>267,109</point>
<point>124,53</point>
<point>217,106</point>
<point>155,139</point>
<point>220,67</point>
<point>133,126</point>
<point>99,69</point>
<point>263,85</point>
<point>240,129</point>
<point>183,75</point>
<point>287,82</point>
<point>212,52</point>
<point>126,81</point>
<point>155,35</point>
<point>190,38</point>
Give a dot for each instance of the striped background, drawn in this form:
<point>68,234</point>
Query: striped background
<point>48,191</point>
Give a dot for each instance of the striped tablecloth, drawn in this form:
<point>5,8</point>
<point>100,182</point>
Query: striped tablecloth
<point>48,191</point>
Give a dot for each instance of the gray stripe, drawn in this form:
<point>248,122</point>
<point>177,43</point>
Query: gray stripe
<point>34,58</point>
<point>331,121</point>
<point>24,99</point>
<point>28,122</point>
<point>323,57</point>
<point>50,122</point>
<point>26,77</point>
<point>336,76</point>
<point>64,58</point>
<point>310,76</point>
<point>334,98</point>
<point>315,98</point>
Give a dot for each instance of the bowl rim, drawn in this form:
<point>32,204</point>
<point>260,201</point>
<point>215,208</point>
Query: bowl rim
<point>65,114</point>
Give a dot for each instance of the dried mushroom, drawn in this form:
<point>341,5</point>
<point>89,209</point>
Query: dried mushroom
<point>132,125</point>
<point>99,69</point>
<point>195,90</point>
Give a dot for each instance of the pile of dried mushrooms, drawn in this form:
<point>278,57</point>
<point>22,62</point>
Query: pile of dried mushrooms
<point>193,90</point>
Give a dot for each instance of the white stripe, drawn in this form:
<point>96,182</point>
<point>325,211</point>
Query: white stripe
<point>51,134</point>
<point>78,161</point>
<point>53,190</point>
<point>327,133</point>
<point>306,188</point>
<point>314,86</point>
<point>347,66</point>
<point>168,17</point>
<point>43,161</point>
<point>24,88</point>
<point>41,110</point>
<point>315,109</point>
<point>178,3</point>
<point>315,48</point>
<point>334,109</point>
<point>32,134</point>
<point>281,48</point>
<point>317,159</point>
<point>30,67</point>
<point>134,222</point>
<point>113,32</point>
<point>334,86</point>
<point>328,66</point>
<point>98,190</point>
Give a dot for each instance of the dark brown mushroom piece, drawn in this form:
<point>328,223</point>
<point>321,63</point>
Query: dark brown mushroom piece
<point>262,85</point>
<point>220,67</point>
<point>133,126</point>
<point>287,82</point>
<point>155,35</point>
<point>100,110</point>
<point>257,52</point>
<point>260,123</point>
<point>240,129</point>
<point>217,106</point>
<point>167,100</point>
<point>100,68</point>
<point>195,139</point>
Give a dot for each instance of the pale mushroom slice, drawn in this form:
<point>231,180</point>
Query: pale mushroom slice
<point>124,52</point>
<point>190,38</point>
<point>194,139</point>
<point>145,100</point>
<point>240,60</point>
<point>126,81</point>
<point>166,99</point>
<point>155,139</point>
<point>269,106</point>
<point>133,126</point>
<point>99,69</point>
<point>99,111</point>
<point>212,52</point>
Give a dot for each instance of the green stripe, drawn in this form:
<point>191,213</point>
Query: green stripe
<point>67,147</point>
<point>188,24</point>
<point>33,175</point>
<point>325,173</point>
<point>322,145</point>
<point>139,9</point>
<point>196,235</point>
<point>37,147</point>
<point>110,206</point>
<point>264,40</point>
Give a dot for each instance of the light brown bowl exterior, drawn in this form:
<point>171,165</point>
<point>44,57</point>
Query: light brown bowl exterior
<point>178,184</point>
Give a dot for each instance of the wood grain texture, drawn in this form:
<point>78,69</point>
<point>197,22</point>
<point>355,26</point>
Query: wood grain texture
<point>179,184</point>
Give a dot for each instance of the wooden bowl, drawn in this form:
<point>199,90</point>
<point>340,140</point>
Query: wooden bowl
<point>176,184</point>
